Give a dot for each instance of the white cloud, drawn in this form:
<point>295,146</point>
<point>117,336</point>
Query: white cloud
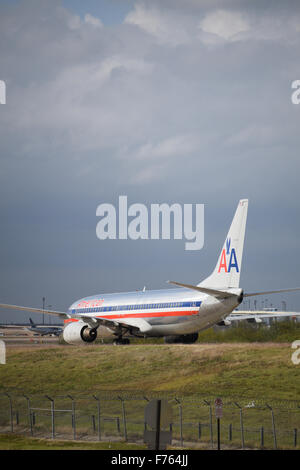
<point>176,146</point>
<point>225,24</point>
<point>164,25</point>
<point>74,22</point>
<point>92,20</point>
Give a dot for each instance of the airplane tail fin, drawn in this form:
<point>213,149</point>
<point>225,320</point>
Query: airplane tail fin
<point>31,322</point>
<point>228,268</point>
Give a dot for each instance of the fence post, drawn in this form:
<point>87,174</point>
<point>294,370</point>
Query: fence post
<point>199,431</point>
<point>210,423</point>
<point>93,423</point>
<point>180,421</point>
<point>118,425</point>
<point>145,424</point>
<point>29,414</point>
<point>52,416</point>
<point>124,417</point>
<point>241,424</point>
<point>11,412</point>
<point>73,416</point>
<point>295,437</point>
<point>230,432</point>
<point>98,417</point>
<point>273,426</point>
<point>262,437</point>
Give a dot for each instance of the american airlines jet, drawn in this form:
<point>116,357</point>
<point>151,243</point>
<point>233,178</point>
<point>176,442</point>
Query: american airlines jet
<point>178,314</point>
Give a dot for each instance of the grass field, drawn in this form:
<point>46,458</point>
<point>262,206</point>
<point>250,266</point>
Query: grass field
<point>240,369</point>
<point>14,442</point>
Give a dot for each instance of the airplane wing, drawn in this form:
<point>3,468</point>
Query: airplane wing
<point>35,310</point>
<point>137,325</point>
<point>258,317</point>
<point>271,292</point>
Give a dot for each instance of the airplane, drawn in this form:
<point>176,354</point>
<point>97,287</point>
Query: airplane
<point>177,314</point>
<point>43,331</point>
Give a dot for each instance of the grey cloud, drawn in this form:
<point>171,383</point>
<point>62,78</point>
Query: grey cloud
<point>155,111</point>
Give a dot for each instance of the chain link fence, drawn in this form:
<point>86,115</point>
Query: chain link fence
<point>119,416</point>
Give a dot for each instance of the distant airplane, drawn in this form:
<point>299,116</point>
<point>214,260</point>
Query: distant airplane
<point>178,314</point>
<point>43,331</point>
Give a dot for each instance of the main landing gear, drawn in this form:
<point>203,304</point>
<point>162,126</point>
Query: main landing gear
<point>120,340</point>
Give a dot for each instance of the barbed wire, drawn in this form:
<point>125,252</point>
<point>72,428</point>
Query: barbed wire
<point>174,396</point>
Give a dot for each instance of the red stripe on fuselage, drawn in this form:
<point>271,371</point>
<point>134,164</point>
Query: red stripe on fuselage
<point>176,313</point>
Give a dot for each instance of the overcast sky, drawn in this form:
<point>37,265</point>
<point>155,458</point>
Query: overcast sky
<point>163,101</point>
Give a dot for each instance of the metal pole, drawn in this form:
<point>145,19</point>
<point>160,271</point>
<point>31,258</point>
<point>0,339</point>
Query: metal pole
<point>145,424</point>
<point>295,437</point>
<point>43,309</point>
<point>180,421</point>
<point>219,433</point>
<point>157,425</point>
<point>210,423</point>
<point>124,418</point>
<point>262,439</point>
<point>98,417</point>
<point>241,424</point>
<point>93,423</point>
<point>199,430</point>
<point>73,417</point>
<point>52,416</point>
<point>29,414</point>
<point>273,426</point>
<point>11,412</point>
<point>230,432</point>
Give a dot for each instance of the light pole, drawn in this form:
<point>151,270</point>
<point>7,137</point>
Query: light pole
<point>43,308</point>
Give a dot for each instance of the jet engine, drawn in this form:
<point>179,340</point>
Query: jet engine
<point>78,332</point>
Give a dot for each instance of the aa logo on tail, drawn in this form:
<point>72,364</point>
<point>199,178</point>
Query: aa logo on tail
<point>228,258</point>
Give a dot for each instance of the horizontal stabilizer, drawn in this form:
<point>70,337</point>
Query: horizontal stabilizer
<point>272,292</point>
<point>219,294</point>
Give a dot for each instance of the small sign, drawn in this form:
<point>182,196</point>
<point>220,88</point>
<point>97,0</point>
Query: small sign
<point>219,407</point>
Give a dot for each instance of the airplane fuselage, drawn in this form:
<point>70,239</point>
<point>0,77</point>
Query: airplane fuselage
<point>165,312</point>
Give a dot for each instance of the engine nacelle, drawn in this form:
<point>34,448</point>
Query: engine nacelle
<point>78,332</point>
